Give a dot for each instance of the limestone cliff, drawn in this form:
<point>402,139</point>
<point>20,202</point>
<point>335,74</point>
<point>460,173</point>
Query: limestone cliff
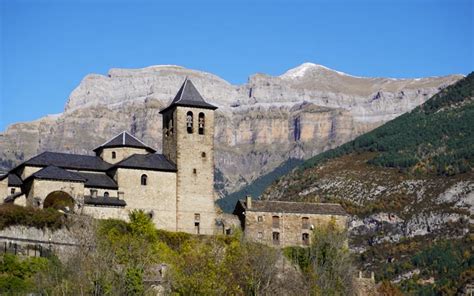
<point>259,124</point>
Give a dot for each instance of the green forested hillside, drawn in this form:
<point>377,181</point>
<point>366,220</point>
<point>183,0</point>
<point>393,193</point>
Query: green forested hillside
<point>436,137</point>
<point>408,186</point>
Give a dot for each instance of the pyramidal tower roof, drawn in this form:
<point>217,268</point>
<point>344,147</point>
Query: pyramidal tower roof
<point>124,139</point>
<point>188,96</point>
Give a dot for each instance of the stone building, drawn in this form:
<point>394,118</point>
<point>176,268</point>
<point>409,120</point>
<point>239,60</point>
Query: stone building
<point>283,224</point>
<point>176,188</point>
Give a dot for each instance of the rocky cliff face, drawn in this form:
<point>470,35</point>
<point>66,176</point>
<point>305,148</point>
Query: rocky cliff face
<point>260,124</point>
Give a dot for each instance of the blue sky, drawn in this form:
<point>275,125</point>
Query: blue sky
<point>47,47</point>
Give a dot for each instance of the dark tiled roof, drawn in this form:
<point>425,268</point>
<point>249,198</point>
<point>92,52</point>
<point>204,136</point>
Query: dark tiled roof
<point>98,180</point>
<point>189,96</point>
<point>69,161</point>
<point>104,201</point>
<point>55,173</point>
<point>125,139</point>
<point>294,207</point>
<point>14,180</point>
<point>156,162</point>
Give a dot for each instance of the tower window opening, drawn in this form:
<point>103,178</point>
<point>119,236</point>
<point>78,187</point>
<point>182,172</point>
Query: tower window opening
<point>144,180</point>
<point>166,126</point>
<point>189,122</point>
<point>194,171</point>
<point>170,126</point>
<point>201,123</point>
<point>114,155</point>
<point>203,154</point>
<point>106,194</point>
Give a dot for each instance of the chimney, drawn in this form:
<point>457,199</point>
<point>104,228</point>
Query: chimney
<point>248,201</point>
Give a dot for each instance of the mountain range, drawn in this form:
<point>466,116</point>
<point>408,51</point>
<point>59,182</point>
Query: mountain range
<point>260,125</point>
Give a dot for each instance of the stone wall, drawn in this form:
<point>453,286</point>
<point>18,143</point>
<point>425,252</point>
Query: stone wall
<point>157,197</point>
<point>28,171</point>
<point>102,212</point>
<point>101,191</point>
<point>39,190</point>
<point>4,188</point>
<point>195,176</point>
<point>120,153</point>
<point>290,228</point>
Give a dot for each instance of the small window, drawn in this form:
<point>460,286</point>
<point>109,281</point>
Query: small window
<point>305,238</point>
<point>203,154</point>
<point>276,222</point>
<point>305,223</point>
<point>196,227</point>
<point>144,180</point>
<point>260,235</point>
<point>276,238</point>
<point>12,191</point>
<point>194,171</point>
<point>189,122</point>
<point>106,194</point>
<point>201,123</point>
<point>114,155</point>
<point>260,218</point>
<point>94,193</point>
<point>197,217</point>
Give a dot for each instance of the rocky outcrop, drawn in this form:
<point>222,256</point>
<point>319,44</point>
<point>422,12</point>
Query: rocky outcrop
<point>259,124</point>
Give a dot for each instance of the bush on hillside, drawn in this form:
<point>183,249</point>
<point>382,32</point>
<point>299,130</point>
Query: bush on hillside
<point>11,215</point>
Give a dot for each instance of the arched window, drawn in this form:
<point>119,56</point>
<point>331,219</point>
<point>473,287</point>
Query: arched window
<point>106,194</point>
<point>170,126</point>
<point>166,126</point>
<point>189,122</point>
<point>201,123</point>
<point>114,155</point>
<point>144,180</point>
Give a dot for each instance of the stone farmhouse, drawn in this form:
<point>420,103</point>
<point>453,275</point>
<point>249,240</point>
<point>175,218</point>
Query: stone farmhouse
<point>283,224</point>
<point>176,188</point>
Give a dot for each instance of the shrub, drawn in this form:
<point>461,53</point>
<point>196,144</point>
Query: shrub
<point>11,215</point>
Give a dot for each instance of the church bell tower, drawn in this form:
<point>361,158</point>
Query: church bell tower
<point>188,141</point>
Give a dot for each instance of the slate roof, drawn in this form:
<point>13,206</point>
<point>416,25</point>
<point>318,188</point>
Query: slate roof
<point>156,162</point>
<point>294,207</point>
<point>125,139</point>
<point>69,161</point>
<point>188,96</point>
<point>55,173</point>
<point>104,201</point>
<point>98,180</point>
<point>14,180</point>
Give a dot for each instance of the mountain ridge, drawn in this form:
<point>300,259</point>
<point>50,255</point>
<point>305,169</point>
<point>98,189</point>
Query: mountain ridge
<point>259,125</point>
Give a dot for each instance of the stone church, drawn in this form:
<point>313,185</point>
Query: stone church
<point>176,188</point>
